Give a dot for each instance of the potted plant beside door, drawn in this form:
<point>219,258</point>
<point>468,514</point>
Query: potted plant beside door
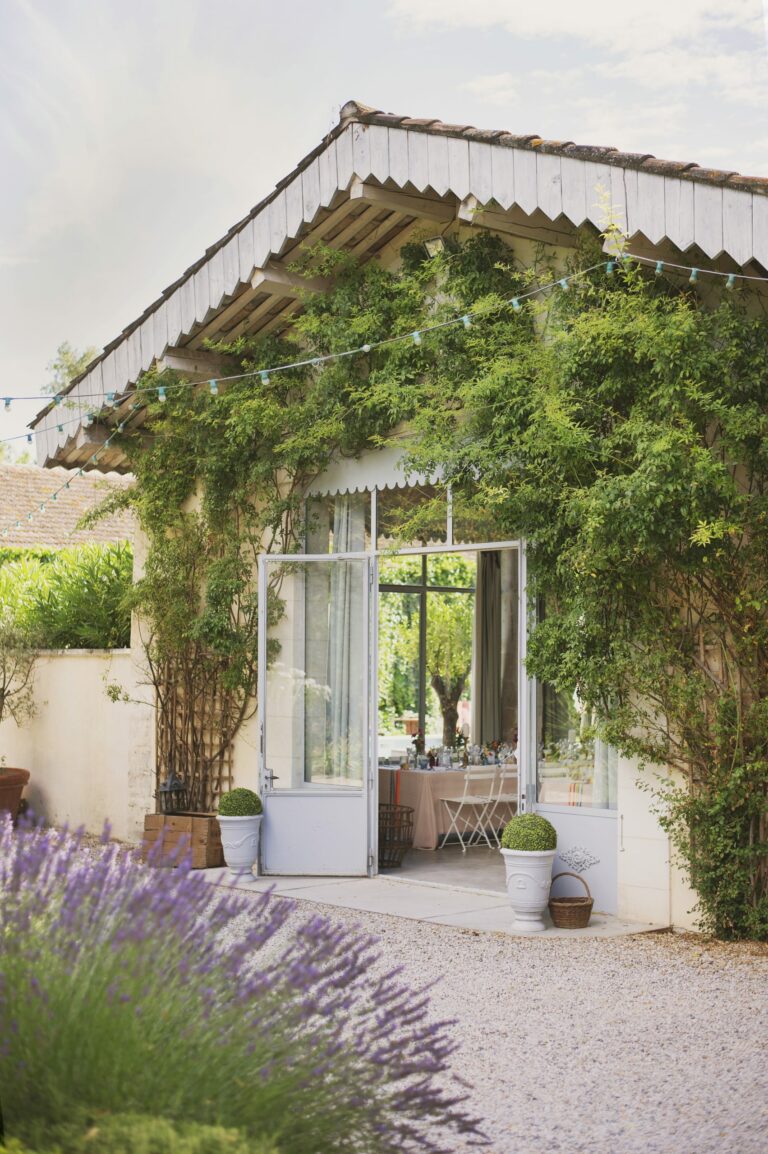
<point>240,814</point>
<point>528,845</point>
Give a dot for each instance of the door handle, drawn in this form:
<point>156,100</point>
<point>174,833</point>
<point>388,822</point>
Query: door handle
<point>271,777</point>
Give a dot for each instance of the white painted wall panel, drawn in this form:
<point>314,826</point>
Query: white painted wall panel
<point>294,207</point>
<point>173,317</point>
<point>650,205</point>
<point>261,245</point>
<point>549,185</point>
<point>678,211</point>
<point>378,143</point>
<point>760,229</point>
<point>458,167</point>
<point>245,246</point>
<point>437,161</point>
<point>630,193</point>
<point>480,171</point>
<point>159,330</point>
<point>526,194</point>
<point>618,197</point>
<point>108,377</point>
<point>216,279</point>
<point>231,266</point>
<point>329,181</point>
<point>708,218</point>
<point>310,191</point>
<point>737,224</point>
<point>147,337</point>
<point>418,160</point>
<point>597,184</point>
<point>574,189</point>
<point>503,175</point>
<point>277,223</point>
<point>361,150</point>
<point>133,343</point>
<point>202,293</point>
<point>344,163</point>
<point>398,155</point>
<point>122,373</point>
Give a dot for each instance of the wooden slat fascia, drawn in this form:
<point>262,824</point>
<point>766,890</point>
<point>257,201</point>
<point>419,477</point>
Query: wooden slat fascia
<point>421,206</point>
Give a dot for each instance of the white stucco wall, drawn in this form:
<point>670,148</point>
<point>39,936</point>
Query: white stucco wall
<point>90,759</point>
<point>652,885</point>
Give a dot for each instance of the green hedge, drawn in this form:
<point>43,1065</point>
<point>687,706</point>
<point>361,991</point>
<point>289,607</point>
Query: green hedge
<point>138,1134</point>
<point>71,599</point>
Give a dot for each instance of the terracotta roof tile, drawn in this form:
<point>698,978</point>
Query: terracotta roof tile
<point>23,488</point>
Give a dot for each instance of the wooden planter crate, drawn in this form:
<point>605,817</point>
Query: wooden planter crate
<point>199,831</point>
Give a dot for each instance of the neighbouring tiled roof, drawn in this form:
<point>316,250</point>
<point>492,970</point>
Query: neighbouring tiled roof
<point>24,488</point>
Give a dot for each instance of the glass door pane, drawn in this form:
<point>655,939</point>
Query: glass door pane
<point>400,675</point>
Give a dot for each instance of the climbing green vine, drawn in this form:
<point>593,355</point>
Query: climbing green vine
<point>621,428</point>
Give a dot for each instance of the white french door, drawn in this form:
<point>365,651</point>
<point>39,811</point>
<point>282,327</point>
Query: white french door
<point>314,707</point>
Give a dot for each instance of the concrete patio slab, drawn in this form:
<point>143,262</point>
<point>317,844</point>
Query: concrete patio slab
<point>463,908</point>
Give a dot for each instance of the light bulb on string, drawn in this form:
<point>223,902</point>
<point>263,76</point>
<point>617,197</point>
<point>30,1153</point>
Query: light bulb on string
<point>264,377</point>
<point>611,265</point>
<point>659,267</point>
<point>693,278</point>
<point>564,284</point>
<point>7,404</point>
<point>467,322</point>
<point>516,304</point>
<point>213,388</point>
<point>730,283</point>
<point>416,337</point>
<point>161,395</point>
<point>365,348</point>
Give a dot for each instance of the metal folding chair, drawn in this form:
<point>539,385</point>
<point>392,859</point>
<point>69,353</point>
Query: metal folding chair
<point>467,813</point>
<point>504,801</point>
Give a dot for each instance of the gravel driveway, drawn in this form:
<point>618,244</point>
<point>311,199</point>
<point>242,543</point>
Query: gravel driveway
<point>635,1045</point>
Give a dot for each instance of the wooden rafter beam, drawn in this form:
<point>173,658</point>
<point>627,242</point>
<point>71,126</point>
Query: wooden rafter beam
<point>281,282</point>
<point>422,206</point>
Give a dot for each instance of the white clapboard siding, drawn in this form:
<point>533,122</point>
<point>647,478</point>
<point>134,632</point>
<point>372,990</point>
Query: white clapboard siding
<point>526,195</point>
<point>216,279</point>
<point>122,375</point>
<point>678,212</point>
<point>147,338</point>
<point>378,144</point>
<point>760,229</point>
<point>549,185</point>
<point>737,225</point>
<point>361,150</point>
<point>618,198</point>
<point>231,269</point>
<point>458,167</point>
<point>202,293</point>
<point>245,246</point>
<point>95,389</point>
<point>708,218</point>
<point>480,171</point>
<point>173,315</point>
<point>310,187</point>
<point>260,247</point>
<point>630,201</point>
<point>134,352</point>
<point>398,155</point>
<point>294,207</point>
<point>573,174</point>
<point>329,181</point>
<point>418,160</point>
<point>277,222</point>
<point>437,163</point>
<point>597,180</point>
<point>649,205</point>
<point>159,329</point>
<point>503,176</point>
<point>108,375</point>
<point>344,164</point>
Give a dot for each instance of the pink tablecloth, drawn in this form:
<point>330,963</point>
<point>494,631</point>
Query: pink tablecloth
<point>422,790</point>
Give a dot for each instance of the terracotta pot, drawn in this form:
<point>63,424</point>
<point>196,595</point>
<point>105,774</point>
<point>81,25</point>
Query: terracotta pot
<point>12,782</point>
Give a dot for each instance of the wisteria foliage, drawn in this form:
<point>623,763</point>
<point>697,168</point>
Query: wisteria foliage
<point>128,988</point>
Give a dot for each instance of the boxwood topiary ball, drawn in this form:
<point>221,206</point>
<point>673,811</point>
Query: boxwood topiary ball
<point>529,832</point>
<point>240,803</point>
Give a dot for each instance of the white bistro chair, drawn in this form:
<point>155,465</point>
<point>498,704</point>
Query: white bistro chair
<point>504,801</point>
<point>468,812</point>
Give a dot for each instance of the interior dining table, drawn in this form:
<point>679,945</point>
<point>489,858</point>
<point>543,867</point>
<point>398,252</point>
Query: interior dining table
<point>421,789</point>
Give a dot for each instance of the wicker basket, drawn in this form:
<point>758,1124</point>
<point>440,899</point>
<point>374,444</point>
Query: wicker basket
<point>395,835</point>
<point>571,913</point>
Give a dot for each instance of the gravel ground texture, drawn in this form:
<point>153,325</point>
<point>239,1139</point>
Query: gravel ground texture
<point>652,1044</point>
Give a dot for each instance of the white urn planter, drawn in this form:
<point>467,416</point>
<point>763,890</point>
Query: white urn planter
<point>529,876</point>
<point>240,842</point>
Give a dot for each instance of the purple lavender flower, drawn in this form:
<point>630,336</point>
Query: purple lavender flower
<point>118,993</point>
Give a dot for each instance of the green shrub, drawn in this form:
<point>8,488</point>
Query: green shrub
<point>73,599</point>
<point>529,832</point>
<point>240,803</point>
<point>138,1134</point>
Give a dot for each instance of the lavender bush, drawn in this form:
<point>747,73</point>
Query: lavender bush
<point>117,993</point>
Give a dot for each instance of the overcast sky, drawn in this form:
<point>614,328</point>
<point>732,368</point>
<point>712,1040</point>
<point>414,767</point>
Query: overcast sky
<point>133,133</point>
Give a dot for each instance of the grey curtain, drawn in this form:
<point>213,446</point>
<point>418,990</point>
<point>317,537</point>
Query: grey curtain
<point>347,680</point>
<point>488,649</point>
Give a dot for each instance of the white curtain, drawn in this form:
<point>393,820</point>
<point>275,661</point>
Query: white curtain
<point>487,695</point>
<point>347,677</point>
